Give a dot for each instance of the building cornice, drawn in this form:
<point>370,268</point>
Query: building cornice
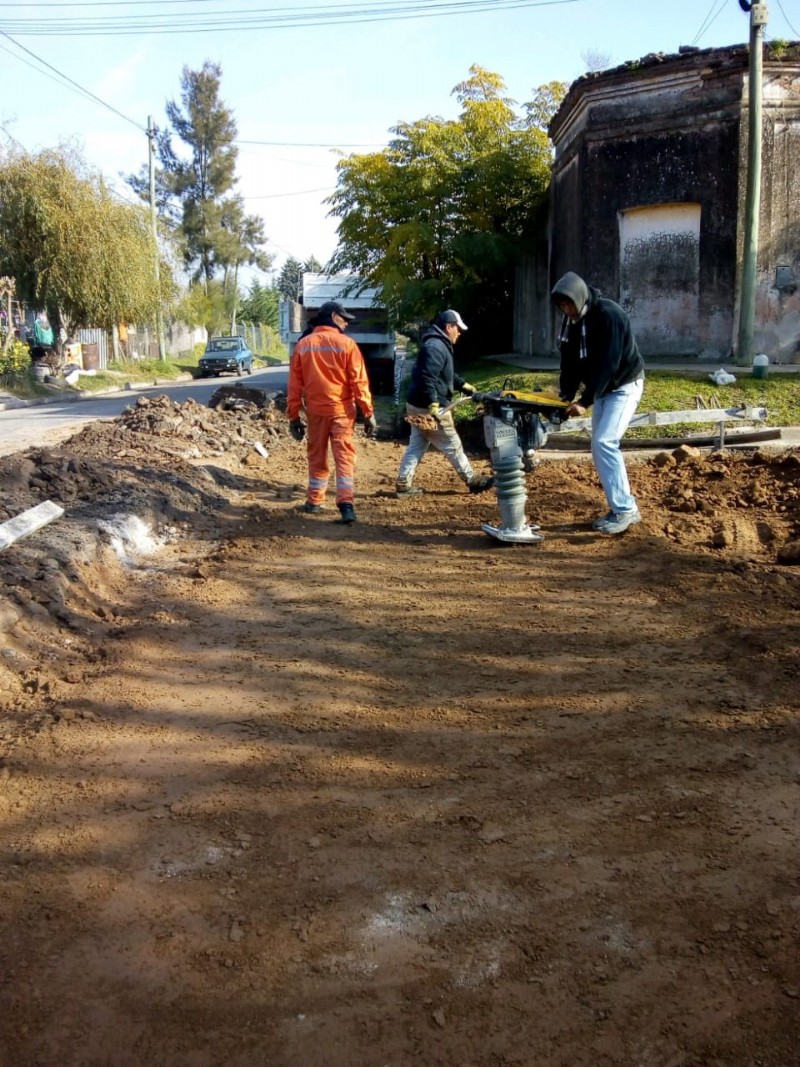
<point>688,71</point>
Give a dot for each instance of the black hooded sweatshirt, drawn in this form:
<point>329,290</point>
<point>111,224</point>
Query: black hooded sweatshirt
<point>610,358</point>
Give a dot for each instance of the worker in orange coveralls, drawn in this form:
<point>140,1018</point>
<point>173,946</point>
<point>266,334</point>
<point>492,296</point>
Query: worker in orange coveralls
<point>327,375</point>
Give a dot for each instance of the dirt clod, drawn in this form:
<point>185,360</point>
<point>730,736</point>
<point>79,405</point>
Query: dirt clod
<point>789,553</point>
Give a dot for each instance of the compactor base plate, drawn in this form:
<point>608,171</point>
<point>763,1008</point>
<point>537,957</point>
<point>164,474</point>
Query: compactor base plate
<point>526,535</point>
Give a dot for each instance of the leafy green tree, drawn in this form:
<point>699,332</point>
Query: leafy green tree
<point>73,249</point>
<point>205,305</point>
<point>244,239</point>
<point>546,101</point>
<point>441,216</point>
<point>312,266</point>
<point>242,245</point>
<point>260,306</point>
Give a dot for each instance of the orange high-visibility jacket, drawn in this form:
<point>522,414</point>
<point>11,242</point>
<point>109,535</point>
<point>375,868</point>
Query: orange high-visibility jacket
<point>327,372</point>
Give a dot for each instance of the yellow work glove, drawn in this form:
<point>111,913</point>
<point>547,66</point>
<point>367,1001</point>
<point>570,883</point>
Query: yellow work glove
<point>435,410</point>
<point>468,389</point>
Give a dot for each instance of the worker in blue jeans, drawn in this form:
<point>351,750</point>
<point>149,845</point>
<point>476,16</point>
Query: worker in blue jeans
<point>599,353</point>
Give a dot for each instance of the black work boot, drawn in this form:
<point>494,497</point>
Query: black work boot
<point>479,484</point>
<point>348,514</point>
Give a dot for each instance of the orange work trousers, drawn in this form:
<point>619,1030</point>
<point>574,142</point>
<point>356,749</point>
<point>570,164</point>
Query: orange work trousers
<point>336,431</point>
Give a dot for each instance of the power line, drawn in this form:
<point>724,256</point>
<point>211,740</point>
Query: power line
<point>786,19</point>
<point>77,88</point>
<point>299,192</point>
<point>57,80</point>
<point>60,79</point>
<point>286,252</point>
<point>709,19</point>
<point>225,21</point>
<point>11,137</point>
<point>305,144</point>
<point>70,83</point>
<point>110,188</point>
<point>110,3</point>
<point>24,61</point>
<point>119,196</point>
<point>294,162</point>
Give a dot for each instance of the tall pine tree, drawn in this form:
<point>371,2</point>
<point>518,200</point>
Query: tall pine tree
<point>195,181</point>
<point>290,279</point>
<point>208,130</point>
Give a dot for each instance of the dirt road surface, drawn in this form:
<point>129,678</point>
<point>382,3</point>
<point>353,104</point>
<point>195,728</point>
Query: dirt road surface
<point>277,792</point>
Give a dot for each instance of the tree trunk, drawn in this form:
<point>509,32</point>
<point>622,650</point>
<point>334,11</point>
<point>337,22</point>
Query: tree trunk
<point>55,356</point>
<point>9,337</point>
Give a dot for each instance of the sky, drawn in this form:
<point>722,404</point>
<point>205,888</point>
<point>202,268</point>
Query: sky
<point>334,82</point>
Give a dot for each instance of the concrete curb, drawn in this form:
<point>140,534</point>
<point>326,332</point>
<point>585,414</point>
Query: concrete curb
<point>790,435</point>
<point>9,402</point>
<point>551,364</point>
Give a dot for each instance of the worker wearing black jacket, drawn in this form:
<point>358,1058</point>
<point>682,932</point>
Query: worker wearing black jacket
<point>599,353</point>
<point>433,383</point>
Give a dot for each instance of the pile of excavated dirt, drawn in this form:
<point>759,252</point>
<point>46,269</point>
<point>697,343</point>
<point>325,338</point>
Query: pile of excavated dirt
<point>122,484</point>
<point>274,790</point>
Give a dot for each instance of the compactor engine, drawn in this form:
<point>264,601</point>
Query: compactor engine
<point>515,425</point>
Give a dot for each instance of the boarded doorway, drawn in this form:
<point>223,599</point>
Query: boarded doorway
<point>660,276</point>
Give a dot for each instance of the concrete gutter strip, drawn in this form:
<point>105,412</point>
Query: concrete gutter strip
<point>573,443</point>
<point>28,522</point>
<point>9,402</point>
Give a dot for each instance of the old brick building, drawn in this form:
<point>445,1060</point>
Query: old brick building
<point>648,197</point>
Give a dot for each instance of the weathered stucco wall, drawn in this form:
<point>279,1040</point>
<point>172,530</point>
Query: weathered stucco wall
<point>532,304</point>
<point>641,149</point>
<point>777,326</point>
<point>660,275</point>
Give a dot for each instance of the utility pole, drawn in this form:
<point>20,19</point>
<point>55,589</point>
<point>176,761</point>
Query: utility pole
<point>747,295</point>
<point>151,133</point>
<point>235,308</point>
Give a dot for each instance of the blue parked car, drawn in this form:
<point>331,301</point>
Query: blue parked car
<point>226,354</point>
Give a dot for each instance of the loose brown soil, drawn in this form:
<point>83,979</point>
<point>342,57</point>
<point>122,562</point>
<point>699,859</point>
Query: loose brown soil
<point>277,792</point>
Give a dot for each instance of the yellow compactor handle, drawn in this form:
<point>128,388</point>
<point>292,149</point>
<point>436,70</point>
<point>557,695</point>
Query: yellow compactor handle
<point>550,400</point>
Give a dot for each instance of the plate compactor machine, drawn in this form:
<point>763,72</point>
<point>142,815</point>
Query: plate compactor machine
<point>515,424</point>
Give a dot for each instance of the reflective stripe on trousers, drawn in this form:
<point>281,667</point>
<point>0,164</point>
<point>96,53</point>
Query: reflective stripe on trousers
<point>322,431</point>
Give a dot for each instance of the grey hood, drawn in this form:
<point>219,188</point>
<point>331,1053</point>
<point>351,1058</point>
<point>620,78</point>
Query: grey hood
<point>574,288</point>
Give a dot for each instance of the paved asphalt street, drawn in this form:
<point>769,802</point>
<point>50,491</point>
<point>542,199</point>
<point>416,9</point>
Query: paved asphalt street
<point>24,424</point>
